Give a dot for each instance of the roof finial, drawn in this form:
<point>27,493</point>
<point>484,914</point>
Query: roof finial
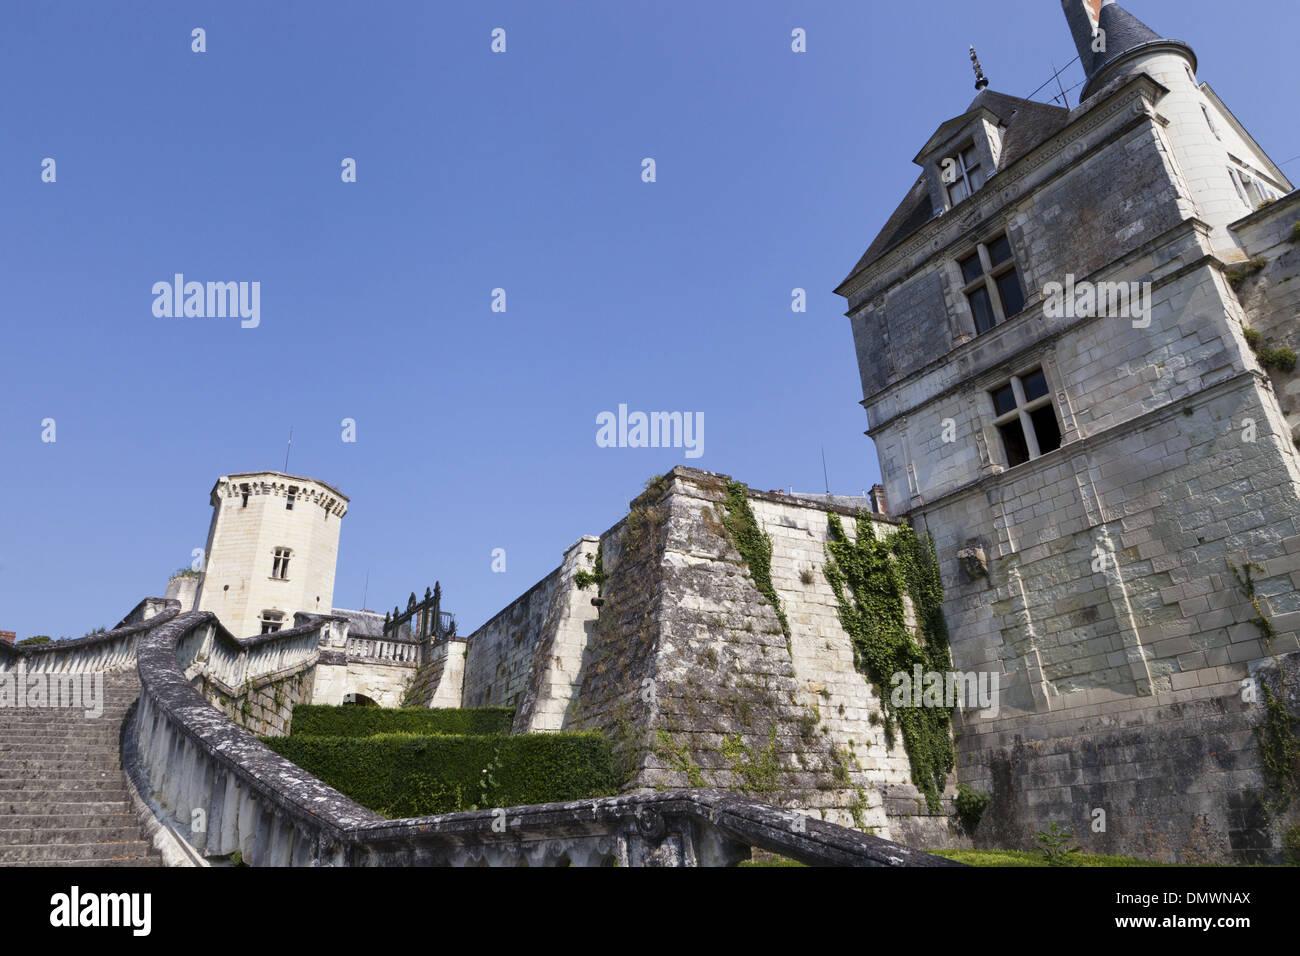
<point>981,81</point>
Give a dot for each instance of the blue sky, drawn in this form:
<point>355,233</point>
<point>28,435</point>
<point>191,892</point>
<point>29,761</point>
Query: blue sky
<point>475,429</point>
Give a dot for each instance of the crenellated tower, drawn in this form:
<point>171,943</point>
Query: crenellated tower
<point>272,550</point>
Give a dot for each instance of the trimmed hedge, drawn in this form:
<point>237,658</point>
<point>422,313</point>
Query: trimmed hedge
<point>407,775</point>
<point>320,721</point>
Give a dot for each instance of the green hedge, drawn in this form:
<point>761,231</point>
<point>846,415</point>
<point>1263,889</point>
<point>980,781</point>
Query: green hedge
<point>406,775</point>
<point>319,721</point>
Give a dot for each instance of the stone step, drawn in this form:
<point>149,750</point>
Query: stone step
<point>118,817</point>
<point>132,861</point>
<point>37,800</point>
<point>18,808</point>
<point>18,744</point>
<point>88,748</point>
<point>20,764</point>
<point>52,723</point>
<point>28,789</point>
<point>14,781</point>
<point>57,747</point>
<point>34,836</point>
<point>60,854</point>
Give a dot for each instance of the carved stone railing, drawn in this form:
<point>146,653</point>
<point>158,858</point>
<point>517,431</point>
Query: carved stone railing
<point>97,653</point>
<point>385,650</point>
<point>231,664</point>
<point>224,791</point>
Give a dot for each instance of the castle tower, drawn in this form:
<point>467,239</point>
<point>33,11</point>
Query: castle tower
<point>272,549</point>
<point>1221,166</point>
<point>1057,345</point>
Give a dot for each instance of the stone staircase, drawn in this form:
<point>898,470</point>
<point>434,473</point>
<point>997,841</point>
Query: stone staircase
<point>63,797</point>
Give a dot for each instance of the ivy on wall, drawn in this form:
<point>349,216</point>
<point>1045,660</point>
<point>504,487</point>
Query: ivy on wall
<point>870,577</point>
<point>754,546</point>
<point>584,578</point>
<point>1279,747</point>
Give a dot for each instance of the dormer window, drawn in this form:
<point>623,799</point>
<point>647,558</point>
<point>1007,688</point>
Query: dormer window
<point>962,174</point>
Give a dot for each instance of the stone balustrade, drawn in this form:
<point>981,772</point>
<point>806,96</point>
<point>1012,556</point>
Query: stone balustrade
<point>224,791</point>
<point>375,649</point>
<point>211,788</point>
<point>96,653</point>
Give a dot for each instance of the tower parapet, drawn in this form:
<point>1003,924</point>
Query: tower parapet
<point>272,550</point>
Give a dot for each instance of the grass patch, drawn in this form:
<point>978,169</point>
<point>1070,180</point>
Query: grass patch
<point>1030,858</point>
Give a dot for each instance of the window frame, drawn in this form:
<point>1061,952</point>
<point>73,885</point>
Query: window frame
<point>280,563</point>
<point>990,276</point>
<point>963,174</point>
<point>271,620</point>
<point>1022,413</point>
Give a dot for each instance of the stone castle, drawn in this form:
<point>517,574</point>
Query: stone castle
<point>1093,468</point>
<point>1073,337</point>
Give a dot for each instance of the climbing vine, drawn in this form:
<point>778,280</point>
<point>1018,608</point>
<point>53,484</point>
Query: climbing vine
<point>1279,748</point>
<point>754,546</point>
<point>870,577</point>
<point>597,576</point>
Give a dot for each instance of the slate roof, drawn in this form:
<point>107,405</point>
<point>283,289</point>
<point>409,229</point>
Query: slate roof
<point>1027,124</point>
<point>1124,34</point>
<point>362,623</point>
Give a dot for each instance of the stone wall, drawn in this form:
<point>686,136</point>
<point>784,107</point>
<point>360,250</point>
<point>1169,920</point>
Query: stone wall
<point>689,661</point>
<point>264,707</point>
<point>1271,297</point>
<point>684,664</point>
<point>500,654</point>
<point>440,682</point>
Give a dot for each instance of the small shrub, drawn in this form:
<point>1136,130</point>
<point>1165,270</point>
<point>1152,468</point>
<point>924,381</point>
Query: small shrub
<point>971,805</point>
<point>806,576</point>
<point>1295,231</point>
<point>1239,273</point>
<point>1279,360</point>
<point>1056,848</point>
<point>33,641</point>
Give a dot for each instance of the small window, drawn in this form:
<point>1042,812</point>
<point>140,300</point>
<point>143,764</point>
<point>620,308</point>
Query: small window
<point>289,499</point>
<point>244,491</point>
<point>1209,121</point>
<point>992,287</point>
<point>272,621</point>
<point>1026,418</point>
<point>965,166</point>
<point>1252,190</point>
<point>280,564</point>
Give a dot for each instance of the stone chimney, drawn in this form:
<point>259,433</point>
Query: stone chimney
<point>878,499</point>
